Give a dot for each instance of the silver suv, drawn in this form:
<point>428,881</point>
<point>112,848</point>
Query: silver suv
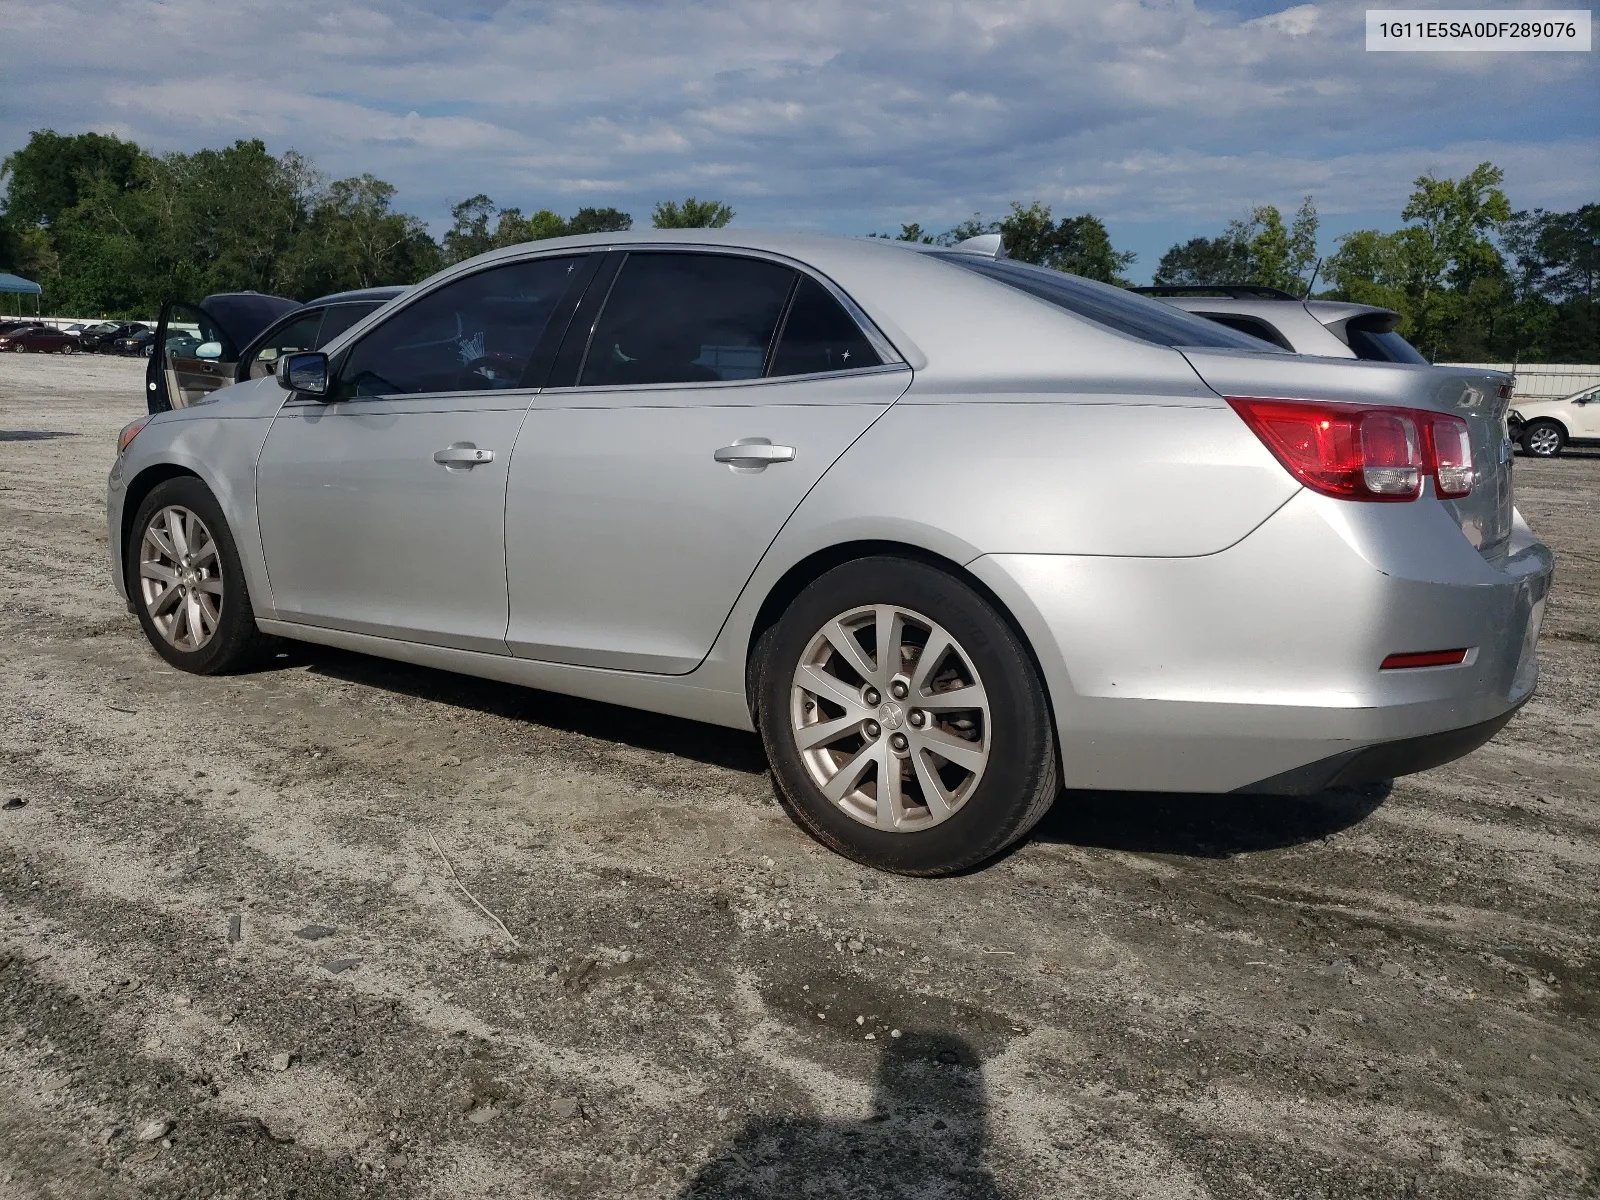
<point>1327,328</point>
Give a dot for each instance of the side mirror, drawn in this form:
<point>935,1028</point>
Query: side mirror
<point>304,372</point>
<point>208,350</point>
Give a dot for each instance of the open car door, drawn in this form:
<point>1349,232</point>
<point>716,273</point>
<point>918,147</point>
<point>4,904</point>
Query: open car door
<point>196,350</point>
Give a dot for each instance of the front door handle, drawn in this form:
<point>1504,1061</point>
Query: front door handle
<point>462,456</point>
<point>753,454</point>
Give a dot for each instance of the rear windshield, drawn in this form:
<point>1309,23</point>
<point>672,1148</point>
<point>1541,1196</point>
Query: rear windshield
<point>1381,347</point>
<point>1116,308</point>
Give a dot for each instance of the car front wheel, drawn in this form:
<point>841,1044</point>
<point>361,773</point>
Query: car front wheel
<point>905,722</point>
<point>187,582</point>
<point>66,348</point>
<point>1543,439</point>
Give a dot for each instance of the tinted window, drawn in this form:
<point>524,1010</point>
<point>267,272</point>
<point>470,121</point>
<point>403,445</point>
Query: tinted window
<point>819,335</point>
<point>1381,347</point>
<point>340,317</point>
<point>474,333</point>
<point>687,318</point>
<point>299,334</point>
<point>1114,307</point>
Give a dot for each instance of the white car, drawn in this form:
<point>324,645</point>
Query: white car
<point>1545,427</point>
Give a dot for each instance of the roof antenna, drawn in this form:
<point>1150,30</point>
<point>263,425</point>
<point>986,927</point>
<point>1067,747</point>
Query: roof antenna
<point>1310,283</point>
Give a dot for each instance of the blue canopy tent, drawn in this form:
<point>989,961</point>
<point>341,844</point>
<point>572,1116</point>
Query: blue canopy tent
<point>22,287</point>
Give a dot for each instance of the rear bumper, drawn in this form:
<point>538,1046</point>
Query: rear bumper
<point>1257,668</point>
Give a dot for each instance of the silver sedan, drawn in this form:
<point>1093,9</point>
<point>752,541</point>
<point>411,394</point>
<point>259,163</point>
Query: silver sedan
<point>952,532</point>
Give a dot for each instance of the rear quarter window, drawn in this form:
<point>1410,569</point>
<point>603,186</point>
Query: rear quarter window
<point>1115,308</point>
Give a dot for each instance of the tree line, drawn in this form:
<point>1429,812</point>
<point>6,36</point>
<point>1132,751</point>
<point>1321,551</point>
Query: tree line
<point>109,228</point>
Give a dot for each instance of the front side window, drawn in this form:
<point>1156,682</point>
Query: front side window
<point>299,334</point>
<point>687,318</point>
<point>471,334</point>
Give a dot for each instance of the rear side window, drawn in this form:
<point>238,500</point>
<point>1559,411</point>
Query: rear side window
<point>687,318</point>
<point>819,335</point>
<point>473,333</point>
<point>1115,308</point>
<point>1380,345</point>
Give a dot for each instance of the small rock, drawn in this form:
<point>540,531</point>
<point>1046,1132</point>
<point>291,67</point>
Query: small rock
<point>861,1020</point>
<point>395,1161</point>
<point>940,1125</point>
<point>336,966</point>
<point>856,946</point>
<point>235,924</point>
<point>312,933</point>
<point>166,1143</point>
<point>108,1133</point>
<point>182,1001</point>
<point>281,1061</point>
<point>154,1131</point>
<point>1391,970</point>
<point>894,1033</point>
<point>483,1114</point>
<point>872,1037</point>
<point>15,802</point>
<point>722,1114</point>
<point>564,1107</point>
<point>450,760</point>
<point>625,957</point>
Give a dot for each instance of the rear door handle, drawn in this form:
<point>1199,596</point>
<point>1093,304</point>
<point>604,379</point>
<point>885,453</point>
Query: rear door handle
<point>753,452</point>
<point>462,456</point>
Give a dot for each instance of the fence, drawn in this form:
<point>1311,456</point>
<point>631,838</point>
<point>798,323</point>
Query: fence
<point>1544,381</point>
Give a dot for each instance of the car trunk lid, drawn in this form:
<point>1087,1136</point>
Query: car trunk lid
<point>1478,396</point>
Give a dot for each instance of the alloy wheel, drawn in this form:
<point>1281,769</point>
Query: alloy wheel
<point>890,718</point>
<point>1544,441</point>
<point>180,578</point>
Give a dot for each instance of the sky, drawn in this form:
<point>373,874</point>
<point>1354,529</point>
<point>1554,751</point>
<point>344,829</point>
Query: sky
<point>1165,118</point>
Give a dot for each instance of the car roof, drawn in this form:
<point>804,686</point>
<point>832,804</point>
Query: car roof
<point>943,319</point>
<point>381,295</point>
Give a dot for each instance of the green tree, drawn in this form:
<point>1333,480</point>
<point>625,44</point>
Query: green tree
<point>691,214</point>
<point>353,238</point>
<point>1259,249</point>
<point>599,220</point>
<point>1203,260</point>
<point>469,236</point>
<point>52,173</point>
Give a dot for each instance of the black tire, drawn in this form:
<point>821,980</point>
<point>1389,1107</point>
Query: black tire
<point>67,348</point>
<point>1017,785</point>
<point>236,643</point>
<point>1548,436</point>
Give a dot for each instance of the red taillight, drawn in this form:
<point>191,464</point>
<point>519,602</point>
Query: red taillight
<point>1425,658</point>
<point>1357,452</point>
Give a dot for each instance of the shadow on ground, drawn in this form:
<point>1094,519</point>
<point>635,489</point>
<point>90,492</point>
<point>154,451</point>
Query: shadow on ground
<point>1204,826</point>
<point>924,1137</point>
<point>1200,826</point>
<point>32,435</point>
<point>710,744</point>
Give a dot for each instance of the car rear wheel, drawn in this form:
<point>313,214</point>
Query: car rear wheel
<point>1543,439</point>
<point>187,582</point>
<point>905,722</point>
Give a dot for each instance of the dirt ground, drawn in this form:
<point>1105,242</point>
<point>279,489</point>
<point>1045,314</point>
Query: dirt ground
<point>233,962</point>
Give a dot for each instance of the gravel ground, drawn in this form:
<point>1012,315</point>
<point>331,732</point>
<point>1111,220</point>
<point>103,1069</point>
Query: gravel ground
<point>233,962</point>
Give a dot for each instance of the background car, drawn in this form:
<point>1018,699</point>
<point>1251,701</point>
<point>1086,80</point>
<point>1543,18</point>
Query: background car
<point>197,363</point>
<point>1543,428</point>
<point>136,343</point>
<point>856,496</point>
<point>40,338</point>
<point>1328,328</point>
<point>102,338</point>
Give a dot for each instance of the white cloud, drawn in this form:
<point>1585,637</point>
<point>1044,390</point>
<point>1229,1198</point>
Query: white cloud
<point>843,114</point>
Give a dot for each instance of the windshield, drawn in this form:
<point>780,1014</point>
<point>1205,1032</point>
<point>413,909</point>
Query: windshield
<point>1116,308</point>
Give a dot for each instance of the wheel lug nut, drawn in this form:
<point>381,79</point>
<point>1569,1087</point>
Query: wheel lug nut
<point>871,729</point>
<point>898,689</point>
<point>871,696</point>
<point>898,741</point>
<point>916,718</point>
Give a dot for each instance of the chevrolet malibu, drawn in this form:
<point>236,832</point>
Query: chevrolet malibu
<point>950,531</point>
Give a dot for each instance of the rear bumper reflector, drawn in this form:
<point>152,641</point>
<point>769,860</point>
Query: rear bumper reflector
<point>1425,658</point>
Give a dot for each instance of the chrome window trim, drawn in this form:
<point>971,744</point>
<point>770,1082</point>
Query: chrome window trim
<point>882,345</point>
<point>880,369</point>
